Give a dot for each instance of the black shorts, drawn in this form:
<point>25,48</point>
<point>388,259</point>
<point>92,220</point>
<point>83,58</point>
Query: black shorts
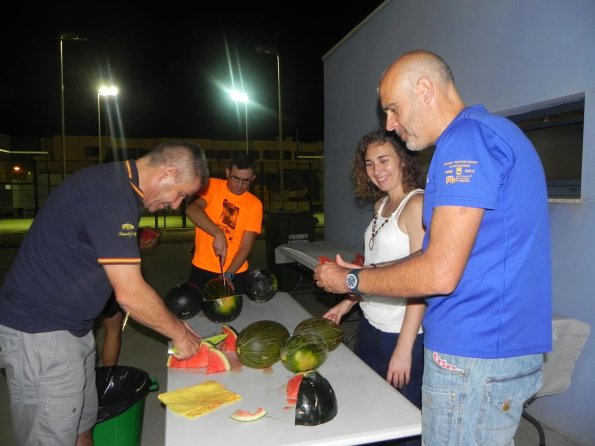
<point>111,307</point>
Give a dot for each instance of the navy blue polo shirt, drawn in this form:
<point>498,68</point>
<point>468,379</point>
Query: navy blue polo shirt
<point>57,280</point>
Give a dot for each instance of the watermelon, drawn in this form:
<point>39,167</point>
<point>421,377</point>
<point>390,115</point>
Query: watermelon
<point>229,343</point>
<point>200,359</point>
<point>262,285</point>
<point>292,387</point>
<point>259,344</point>
<point>184,300</point>
<point>359,259</point>
<point>316,400</point>
<point>245,415</point>
<point>147,236</point>
<point>217,361</point>
<point>303,352</point>
<point>329,331</point>
<point>220,304</point>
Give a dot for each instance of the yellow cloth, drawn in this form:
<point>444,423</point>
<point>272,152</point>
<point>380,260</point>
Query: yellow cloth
<point>194,401</point>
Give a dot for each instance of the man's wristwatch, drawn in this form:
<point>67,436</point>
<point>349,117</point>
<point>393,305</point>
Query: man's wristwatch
<point>352,280</point>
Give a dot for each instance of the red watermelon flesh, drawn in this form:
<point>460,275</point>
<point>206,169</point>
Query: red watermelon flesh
<point>324,259</point>
<point>359,259</point>
<point>293,386</point>
<point>229,343</point>
<point>246,415</point>
<point>200,359</point>
<point>218,362</point>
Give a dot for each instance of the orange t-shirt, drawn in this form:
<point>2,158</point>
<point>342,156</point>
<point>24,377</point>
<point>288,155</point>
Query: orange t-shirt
<point>234,214</point>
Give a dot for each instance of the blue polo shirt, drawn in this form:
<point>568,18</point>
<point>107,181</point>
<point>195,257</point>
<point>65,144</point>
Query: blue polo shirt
<point>57,280</point>
<point>502,305</point>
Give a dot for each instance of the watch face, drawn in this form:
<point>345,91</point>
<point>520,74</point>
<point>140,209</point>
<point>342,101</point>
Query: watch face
<point>351,281</point>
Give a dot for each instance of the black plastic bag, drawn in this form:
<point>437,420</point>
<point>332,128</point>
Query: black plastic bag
<point>118,389</point>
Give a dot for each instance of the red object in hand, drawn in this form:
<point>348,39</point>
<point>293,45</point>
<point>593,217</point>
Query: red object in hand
<point>324,259</point>
<point>148,237</point>
<point>359,259</point>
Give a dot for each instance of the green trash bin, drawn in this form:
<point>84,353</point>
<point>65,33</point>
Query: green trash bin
<point>121,392</point>
<point>287,227</point>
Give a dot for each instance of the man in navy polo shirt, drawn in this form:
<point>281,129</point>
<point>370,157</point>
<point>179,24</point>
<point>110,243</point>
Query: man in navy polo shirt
<point>81,245</point>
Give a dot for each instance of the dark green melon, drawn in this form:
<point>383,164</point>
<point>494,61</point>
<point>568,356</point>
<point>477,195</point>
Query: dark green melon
<point>184,300</point>
<point>259,344</point>
<point>220,303</point>
<point>303,352</point>
<point>262,285</point>
<point>329,331</point>
<point>316,401</point>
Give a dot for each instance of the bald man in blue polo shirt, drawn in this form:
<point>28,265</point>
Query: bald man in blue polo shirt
<point>81,245</point>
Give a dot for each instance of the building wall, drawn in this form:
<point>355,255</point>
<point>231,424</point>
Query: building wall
<point>512,56</point>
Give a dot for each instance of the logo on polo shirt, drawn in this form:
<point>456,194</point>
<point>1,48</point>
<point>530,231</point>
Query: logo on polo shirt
<point>127,230</point>
<point>460,171</point>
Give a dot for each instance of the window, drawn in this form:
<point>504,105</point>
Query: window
<point>557,134</point>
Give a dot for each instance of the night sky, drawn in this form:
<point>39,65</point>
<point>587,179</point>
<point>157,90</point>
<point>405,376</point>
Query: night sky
<point>170,65</point>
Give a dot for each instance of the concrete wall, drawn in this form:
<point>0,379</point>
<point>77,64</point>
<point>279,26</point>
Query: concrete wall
<point>510,55</point>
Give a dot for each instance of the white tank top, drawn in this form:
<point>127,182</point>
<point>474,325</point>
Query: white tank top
<point>386,313</point>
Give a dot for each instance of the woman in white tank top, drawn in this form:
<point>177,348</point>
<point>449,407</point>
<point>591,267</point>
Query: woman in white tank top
<point>390,337</point>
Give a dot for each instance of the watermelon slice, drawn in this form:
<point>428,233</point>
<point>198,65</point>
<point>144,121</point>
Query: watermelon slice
<point>231,336</point>
<point>359,259</point>
<point>245,415</point>
<point>217,361</point>
<point>293,386</point>
<point>200,359</point>
<point>324,259</point>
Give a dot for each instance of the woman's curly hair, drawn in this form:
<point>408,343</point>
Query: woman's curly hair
<point>410,166</point>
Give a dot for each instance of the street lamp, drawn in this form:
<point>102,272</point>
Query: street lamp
<point>104,90</point>
<point>241,96</point>
<point>274,52</point>
<point>65,37</point>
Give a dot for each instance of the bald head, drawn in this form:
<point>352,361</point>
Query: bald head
<point>411,66</point>
<point>418,94</point>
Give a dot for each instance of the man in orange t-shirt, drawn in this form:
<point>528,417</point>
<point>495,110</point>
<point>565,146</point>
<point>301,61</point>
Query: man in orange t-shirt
<point>227,218</point>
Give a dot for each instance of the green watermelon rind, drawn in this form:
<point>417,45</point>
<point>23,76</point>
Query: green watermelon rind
<point>212,308</point>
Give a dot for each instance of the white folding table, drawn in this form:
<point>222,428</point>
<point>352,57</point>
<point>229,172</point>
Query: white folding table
<point>369,409</point>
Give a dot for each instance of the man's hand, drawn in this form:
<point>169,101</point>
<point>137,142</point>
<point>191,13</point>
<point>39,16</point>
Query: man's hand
<point>188,345</point>
<point>331,276</point>
<point>220,246</point>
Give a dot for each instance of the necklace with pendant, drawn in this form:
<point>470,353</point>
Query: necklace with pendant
<point>376,231</point>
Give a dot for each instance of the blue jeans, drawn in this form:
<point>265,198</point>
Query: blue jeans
<point>473,401</point>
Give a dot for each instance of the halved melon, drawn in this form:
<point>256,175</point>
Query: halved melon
<point>245,415</point>
<point>293,386</point>
<point>229,343</point>
<point>218,362</point>
<point>200,359</point>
